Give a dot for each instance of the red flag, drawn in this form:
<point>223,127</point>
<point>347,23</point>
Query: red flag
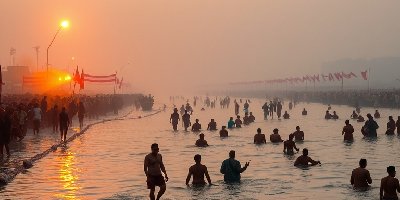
<point>339,76</point>
<point>331,77</point>
<point>120,83</point>
<point>82,82</point>
<point>348,76</point>
<point>77,77</point>
<point>364,74</point>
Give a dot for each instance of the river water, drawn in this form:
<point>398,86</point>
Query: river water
<point>107,161</point>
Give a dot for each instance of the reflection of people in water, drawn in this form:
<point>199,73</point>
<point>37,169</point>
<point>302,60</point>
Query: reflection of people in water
<point>196,126</point>
<point>201,142</point>
<point>223,132</point>
<point>259,138</point>
<point>389,185</point>
<point>391,126</point>
<point>377,114</point>
<point>231,168</point>
<point>348,131</point>
<point>212,126</point>
<point>305,160</point>
<point>304,112</point>
<point>289,145</point>
<point>198,171</point>
<point>298,134</point>
<point>174,119</point>
<point>153,166</point>
<point>275,137</point>
<point>286,115</point>
<point>360,177</point>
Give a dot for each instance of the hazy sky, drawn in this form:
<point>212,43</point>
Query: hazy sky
<point>189,42</point>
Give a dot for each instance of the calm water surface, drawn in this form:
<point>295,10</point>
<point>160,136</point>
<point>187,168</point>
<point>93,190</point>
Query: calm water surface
<point>107,161</point>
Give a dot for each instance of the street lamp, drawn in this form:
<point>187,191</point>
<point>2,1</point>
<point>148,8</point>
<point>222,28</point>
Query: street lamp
<point>64,24</point>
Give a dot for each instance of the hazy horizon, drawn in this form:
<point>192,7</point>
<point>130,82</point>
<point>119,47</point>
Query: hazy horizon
<point>163,46</point>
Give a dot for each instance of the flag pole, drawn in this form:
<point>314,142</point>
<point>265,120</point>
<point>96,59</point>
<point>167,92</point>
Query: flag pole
<point>368,76</point>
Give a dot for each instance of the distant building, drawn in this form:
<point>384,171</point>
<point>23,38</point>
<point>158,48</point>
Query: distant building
<point>12,78</point>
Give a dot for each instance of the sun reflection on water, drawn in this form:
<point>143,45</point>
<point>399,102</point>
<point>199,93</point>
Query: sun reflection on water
<point>68,177</point>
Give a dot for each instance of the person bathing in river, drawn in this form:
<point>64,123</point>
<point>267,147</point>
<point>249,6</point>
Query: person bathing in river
<point>251,117</point>
<point>275,137</point>
<point>238,122</point>
<point>360,177</point>
<point>370,127</point>
<point>201,142</point>
<point>391,126</point>
<point>328,115</point>
<point>212,126</point>
<point>348,131</point>
<point>259,138</point>
<point>198,171</point>
<point>286,115</point>
<point>196,127</point>
<point>186,120</point>
<point>174,119</point>
<point>265,108</point>
<point>360,118</point>
<point>153,166</point>
<point>298,134</point>
<point>335,116</point>
<point>354,115</point>
<point>231,169</point>
<point>398,125</point>
<point>389,185</point>
<point>246,120</point>
<point>223,132</point>
<point>377,114</point>
<point>279,109</point>
<point>289,145</point>
<point>231,123</point>
<point>304,112</point>
<point>305,161</point>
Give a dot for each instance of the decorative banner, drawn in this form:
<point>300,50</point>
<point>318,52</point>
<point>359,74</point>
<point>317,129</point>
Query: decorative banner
<point>100,79</point>
<point>364,75</point>
<point>34,80</point>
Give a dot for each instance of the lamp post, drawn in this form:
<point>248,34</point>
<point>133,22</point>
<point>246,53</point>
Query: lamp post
<point>64,24</point>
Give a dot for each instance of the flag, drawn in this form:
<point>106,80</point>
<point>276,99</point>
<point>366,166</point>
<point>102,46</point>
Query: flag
<point>339,76</point>
<point>331,77</point>
<point>348,76</point>
<point>100,79</point>
<point>120,83</point>
<point>364,74</point>
<point>82,82</point>
<point>77,77</point>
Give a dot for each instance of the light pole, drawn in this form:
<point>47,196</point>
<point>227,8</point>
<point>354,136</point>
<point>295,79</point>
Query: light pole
<point>64,24</point>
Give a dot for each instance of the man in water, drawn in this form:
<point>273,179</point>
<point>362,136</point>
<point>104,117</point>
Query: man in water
<point>289,145</point>
<point>251,117</point>
<point>201,142</point>
<point>348,131</point>
<point>298,134</point>
<point>238,122</point>
<point>286,115</point>
<point>174,119</point>
<point>275,137</point>
<point>360,177</point>
<point>265,108</point>
<point>389,185</point>
<point>271,109</point>
<point>246,107</point>
<point>370,127</point>
<point>360,118</point>
<point>212,126</point>
<point>304,160</point>
<point>335,116</point>
<point>328,115</point>
<point>398,125</point>
<point>37,118</point>
<point>231,168</point>
<point>259,138</point>
<point>186,120</point>
<point>246,120</point>
<point>279,109</point>
<point>236,108</point>
<point>377,114</point>
<point>153,166</point>
<point>64,124</point>
<point>223,132</point>
<point>354,115</point>
<point>304,112</point>
<point>391,126</point>
<point>196,127</point>
<point>198,171</point>
<point>231,123</point>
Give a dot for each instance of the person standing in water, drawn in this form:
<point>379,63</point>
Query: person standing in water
<point>212,126</point>
<point>231,168</point>
<point>348,131</point>
<point>64,124</point>
<point>196,127</point>
<point>275,137</point>
<point>360,177</point>
<point>186,120</point>
<point>174,119</point>
<point>271,109</point>
<point>259,138</point>
<point>265,108</point>
<point>201,142</point>
<point>391,126</point>
<point>238,122</point>
<point>223,132</point>
<point>279,109</point>
<point>231,123</point>
<point>298,134</point>
<point>389,185</point>
<point>304,160</point>
<point>370,127</point>
<point>198,171</point>
<point>289,145</point>
<point>398,125</point>
<point>153,166</point>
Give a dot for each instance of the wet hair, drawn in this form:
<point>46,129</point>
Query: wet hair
<point>232,154</point>
<point>197,158</point>
<point>201,135</point>
<point>154,145</point>
<point>363,162</point>
<point>275,130</point>
<point>223,126</point>
<point>390,117</point>
<point>347,121</point>
<point>259,130</point>
<point>297,127</point>
<point>391,169</point>
<point>305,151</point>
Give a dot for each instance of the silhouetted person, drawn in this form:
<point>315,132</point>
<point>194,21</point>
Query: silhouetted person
<point>186,120</point>
<point>153,166</point>
<point>236,108</point>
<point>238,122</point>
<point>231,123</point>
<point>279,110</point>
<point>290,105</point>
<point>37,118</point>
<point>196,127</point>
<point>212,126</point>
<point>251,117</point>
<point>231,168</point>
<point>246,120</point>
<point>328,115</point>
<point>370,127</point>
<point>298,134</point>
<point>275,137</point>
<point>259,138</point>
<point>201,142</point>
<point>354,115</point>
<point>398,125</point>
<point>360,118</point>
<point>81,114</point>
<point>334,116</point>
<point>246,107</point>
<point>305,160</point>
<point>286,115</point>
<point>348,131</point>
<point>5,131</point>
<point>360,177</point>
<point>271,109</point>
<point>64,124</point>
<point>304,112</point>
<point>389,185</point>
<point>289,146</point>
<point>391,126</point>
<point>377,114</point>
<point>265,108</point>
<point>198,171</point>
<point>223,132</point>
<point>174,119</point>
